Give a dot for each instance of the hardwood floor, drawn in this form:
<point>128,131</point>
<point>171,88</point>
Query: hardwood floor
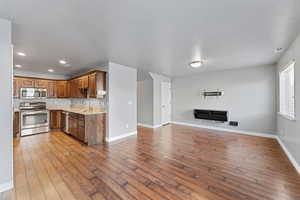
<point>170,163</point>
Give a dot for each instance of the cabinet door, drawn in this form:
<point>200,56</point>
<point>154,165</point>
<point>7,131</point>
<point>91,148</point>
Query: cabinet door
<point>101,83</point>
<point>16,126</point>
<point>61,89</point>
<point>55,119</point>
<point>51,89</point>
<point>73,86</point>
<point>40,83</point>
<point>81,134</point>
<point>73,126</point>
<point>27,83</point>
<point>68,89</point>
<point>92,86</point>
<point>78,90</point>
<point>17,84</point>
<point>83,82</point>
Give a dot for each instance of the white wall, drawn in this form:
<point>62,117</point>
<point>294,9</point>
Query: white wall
<point>6,153</point>
<point>249,97</point>
<point>145,102</point>
<point>289,131</point>
<point>122,101</point>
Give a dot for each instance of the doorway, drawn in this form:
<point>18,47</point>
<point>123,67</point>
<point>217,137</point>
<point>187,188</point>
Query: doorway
<point>165,103</point>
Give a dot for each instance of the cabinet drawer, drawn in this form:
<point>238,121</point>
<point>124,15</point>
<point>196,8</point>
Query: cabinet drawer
<point>81,123</point>
<point>74,115</point>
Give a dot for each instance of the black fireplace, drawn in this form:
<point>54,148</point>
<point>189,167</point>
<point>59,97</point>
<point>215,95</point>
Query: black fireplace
<point>215,115</point>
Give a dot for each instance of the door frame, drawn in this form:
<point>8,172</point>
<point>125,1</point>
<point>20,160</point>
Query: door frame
<point>161,103</point>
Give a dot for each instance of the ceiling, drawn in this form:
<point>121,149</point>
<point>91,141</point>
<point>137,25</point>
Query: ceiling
<point>158,36</point>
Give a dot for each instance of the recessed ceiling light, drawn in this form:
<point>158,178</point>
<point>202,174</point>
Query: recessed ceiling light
<point>21,54</point>
<point>63,62</point>
<point>196,64</point>
<point>50,70</point>
<point>18,66</point>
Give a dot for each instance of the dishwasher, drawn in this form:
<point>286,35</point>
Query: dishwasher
<point>65,122</point>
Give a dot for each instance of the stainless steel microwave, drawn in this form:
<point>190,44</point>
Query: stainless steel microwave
<point>33,93</point>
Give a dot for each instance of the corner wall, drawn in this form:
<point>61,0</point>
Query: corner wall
<point>249,97</point>
<point>6,108</point>
<point>289,131</point>
<point>145,102</point>
<point>122,101</point>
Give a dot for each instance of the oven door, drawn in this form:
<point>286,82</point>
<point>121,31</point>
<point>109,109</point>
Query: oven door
<point>34,119</point>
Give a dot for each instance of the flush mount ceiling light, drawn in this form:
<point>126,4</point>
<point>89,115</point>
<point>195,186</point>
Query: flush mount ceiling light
<point>21,54</point>
<point>18,66</point>
<point>196,64</point>
<point>63,62</point>
<point>278,49</point>
<point>50,70</point>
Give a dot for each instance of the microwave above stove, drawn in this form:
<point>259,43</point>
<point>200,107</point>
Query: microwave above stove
<point>33,93</point>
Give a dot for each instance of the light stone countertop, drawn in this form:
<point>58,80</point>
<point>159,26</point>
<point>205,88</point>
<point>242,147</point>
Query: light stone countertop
<point>79,110</point>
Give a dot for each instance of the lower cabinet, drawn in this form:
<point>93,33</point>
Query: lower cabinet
<point>16,126</point>
<point>89,129</point>
<point>55,119</point>
<point>77,126</point>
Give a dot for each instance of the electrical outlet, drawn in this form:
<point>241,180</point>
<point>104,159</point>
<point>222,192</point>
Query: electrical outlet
<point>127,126</point>
<point>233,123</point>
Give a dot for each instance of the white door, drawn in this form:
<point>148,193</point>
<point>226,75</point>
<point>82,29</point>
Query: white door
<point>165,102</point>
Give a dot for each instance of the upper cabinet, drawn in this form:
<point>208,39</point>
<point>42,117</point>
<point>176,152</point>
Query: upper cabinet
<point>51,89</point>
<point>92,85</point>
<point>83,82</point>
<point>61,89</point>
<point>97,84</point>
<point>27,83</point>
<point>17,85</point>
<point>39,83</point>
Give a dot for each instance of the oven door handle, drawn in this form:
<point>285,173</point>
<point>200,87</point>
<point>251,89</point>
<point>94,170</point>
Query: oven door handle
<point>35,112</point>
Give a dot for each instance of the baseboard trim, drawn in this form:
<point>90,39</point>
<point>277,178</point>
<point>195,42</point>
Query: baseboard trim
<point>113,139</point>
<point>145,125</point>
<point>149,126</point>
<point>289,155</point>
<point>227,130</point>
<point>6,186</point>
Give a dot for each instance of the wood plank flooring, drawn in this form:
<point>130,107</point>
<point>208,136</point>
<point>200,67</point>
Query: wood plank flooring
<point>169,163</point>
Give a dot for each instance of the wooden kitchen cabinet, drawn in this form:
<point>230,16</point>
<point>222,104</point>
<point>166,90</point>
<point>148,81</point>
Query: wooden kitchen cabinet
<point>61,89</point>
<point>17,85</point>
<point>51,89</point>
<point>89,129</point>
<point>55,119</point>
<point>16,124</point>
<point>73,124</point>
<point>97,82</point>
<point>83,82</point>
<point>75,88</point>
<point>87,85</point>
<point>27,83</point>
<point>39,83</point>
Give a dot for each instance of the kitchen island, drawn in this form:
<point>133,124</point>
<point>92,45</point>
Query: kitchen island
<point>85,124</point>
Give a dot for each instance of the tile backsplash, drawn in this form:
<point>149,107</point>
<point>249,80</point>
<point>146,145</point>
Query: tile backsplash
<point>94,103</point>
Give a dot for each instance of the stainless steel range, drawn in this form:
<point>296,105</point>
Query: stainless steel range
<point>34,118</point>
